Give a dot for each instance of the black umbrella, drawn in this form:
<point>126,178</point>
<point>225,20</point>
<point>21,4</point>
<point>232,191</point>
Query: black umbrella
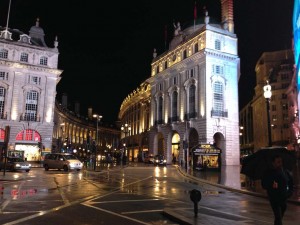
<point>255,165</point>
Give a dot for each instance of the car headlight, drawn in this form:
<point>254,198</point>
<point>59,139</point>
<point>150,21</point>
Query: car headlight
<point>29,165</point>
<point>165,160</point>
<point>18,165</point>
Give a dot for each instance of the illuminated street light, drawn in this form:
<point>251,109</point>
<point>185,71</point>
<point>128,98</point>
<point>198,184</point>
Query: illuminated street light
<point>98,119</point>
<point>126,128</point>
<point>267,95</point>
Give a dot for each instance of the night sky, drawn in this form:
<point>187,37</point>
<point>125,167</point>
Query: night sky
<point>106,46</point>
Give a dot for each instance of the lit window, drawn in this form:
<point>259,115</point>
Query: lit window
<point>2,101</point>
<point>31,106</point>
<point>218,97</point>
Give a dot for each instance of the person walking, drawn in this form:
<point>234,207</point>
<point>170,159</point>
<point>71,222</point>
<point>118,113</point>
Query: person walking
<point>278,183</point>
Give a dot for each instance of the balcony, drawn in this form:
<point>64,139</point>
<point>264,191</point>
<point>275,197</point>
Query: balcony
<point>30,118</point>
<point>218,113</point>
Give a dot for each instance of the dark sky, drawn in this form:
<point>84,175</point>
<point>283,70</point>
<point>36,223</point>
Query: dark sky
<point>106,46</point>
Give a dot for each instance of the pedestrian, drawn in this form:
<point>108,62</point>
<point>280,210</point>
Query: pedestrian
<point>174,159</point>
<point>278,183</point>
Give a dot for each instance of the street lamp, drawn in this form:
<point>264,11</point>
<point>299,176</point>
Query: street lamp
<point>267,95</point>
<point>126,128</point>
<point>98,119</point>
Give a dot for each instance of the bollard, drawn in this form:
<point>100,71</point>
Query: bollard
<point>195,196</point>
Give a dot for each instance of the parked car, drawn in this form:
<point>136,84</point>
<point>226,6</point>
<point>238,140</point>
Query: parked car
<point>149,159</point>
<point>159,160</point>
<point>15,164</point>
<point>65,161</point>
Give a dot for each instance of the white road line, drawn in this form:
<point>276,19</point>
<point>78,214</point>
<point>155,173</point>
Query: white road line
<point>116,214</point>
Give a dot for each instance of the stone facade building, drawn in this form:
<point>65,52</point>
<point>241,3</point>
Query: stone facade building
<point>28,79</point>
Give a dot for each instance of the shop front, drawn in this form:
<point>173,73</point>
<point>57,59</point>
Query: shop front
<point>206,156</point>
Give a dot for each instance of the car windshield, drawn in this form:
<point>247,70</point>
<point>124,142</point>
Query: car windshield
<point>70,157</point>
<point>160,157</point>
<point>15,160</point>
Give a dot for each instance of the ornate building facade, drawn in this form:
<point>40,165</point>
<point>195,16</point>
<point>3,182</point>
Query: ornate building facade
<point>194,92</point>
<point>28,79</point>
<point>81,135</point>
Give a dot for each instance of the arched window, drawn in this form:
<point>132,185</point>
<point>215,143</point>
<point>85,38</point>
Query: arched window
<point>3,53</point>
<point>218,92</point>
<point>192,101</point>
<point>160,110</point>
<point>32,98</point>
<point>174,106</point>
<point>44,61</point>
<point>28,135</point>
<point>196,48</point>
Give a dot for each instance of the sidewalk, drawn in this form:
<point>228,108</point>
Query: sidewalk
<point>230,179</point>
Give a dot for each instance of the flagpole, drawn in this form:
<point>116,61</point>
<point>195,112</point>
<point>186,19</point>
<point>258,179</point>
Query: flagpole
<point>195,16</point>
<point>6,29</point>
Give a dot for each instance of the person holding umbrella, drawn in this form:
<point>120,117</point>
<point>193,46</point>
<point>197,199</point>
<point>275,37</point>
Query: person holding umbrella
<point>278,183</point>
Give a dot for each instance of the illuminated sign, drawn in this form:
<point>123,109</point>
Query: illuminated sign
<point>296,31</point>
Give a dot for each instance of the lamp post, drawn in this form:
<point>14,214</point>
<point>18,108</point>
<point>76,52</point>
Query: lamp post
<point>267,95</point>
<point>126,128</point>
<point>98,119</point>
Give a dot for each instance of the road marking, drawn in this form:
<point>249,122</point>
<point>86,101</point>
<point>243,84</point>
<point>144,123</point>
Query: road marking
<point>116,214</point>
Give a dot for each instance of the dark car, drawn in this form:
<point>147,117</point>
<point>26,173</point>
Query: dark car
<point>159,160</point>
<point>16,163</point>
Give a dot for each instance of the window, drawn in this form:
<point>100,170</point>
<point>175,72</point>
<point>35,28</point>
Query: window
<point>192,100</point>
<point>160,87</point>
<point>3,75</point>
<point>174,105</point>
<point>2,101</point>
<point>160,109</point>
<point>31,106</point>
<point>274,117</point>
<point>192,73</point>
<point>218,96</point>
<point>3,53</point>
<point>196,47</point>
<point>157,69</point>
<point>217,44</point>
<point>24,57</point>
<point>285,107</point>
<point>34,80</point>
<point>273,107</point>
<point>28,135</point>
<point>217,69</point>
<point>166,64</point>
<point>284,96</point>
<point>184,54</point>
<point>285,116</point>
<point>44,61</point>
<point>174,80</point>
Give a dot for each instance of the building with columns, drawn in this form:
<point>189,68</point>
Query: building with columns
<point>28,79</point>
<point>194,93</point>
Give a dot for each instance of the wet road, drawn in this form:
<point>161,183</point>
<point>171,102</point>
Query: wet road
<point>131,195</point>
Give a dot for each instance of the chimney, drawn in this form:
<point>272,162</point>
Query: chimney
<point>64,100</point>
<point>227,14</point>
<point>90,113</point>
<point>77,108</point>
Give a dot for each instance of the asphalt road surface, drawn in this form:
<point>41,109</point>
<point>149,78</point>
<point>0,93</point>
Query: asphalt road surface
<point>131,195</point>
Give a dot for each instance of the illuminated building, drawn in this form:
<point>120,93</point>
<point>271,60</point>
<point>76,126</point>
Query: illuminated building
<point>276,68</point>
<point>28,79</point>
<point>194,91</point>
